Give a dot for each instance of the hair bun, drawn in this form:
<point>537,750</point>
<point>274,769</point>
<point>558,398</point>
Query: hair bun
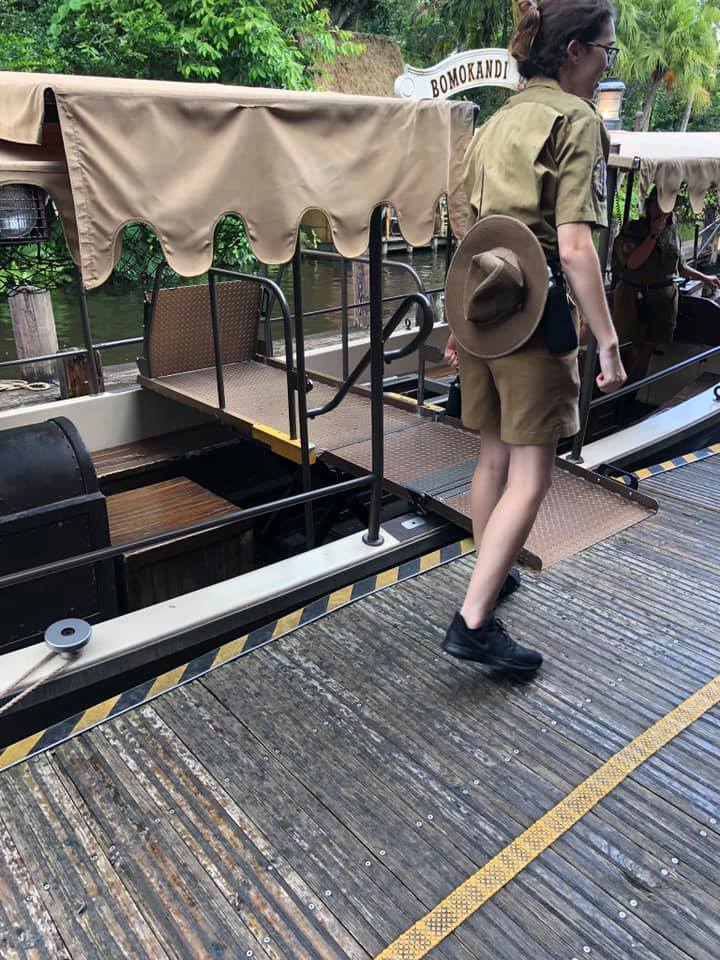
<point>527,29</point>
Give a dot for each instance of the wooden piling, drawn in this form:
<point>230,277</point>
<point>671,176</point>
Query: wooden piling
<point>33,324</point>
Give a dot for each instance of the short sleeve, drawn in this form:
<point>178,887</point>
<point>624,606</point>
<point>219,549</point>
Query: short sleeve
<point>581,192</point>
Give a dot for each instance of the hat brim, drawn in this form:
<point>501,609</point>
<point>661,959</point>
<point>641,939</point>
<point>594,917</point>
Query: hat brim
<point>497,340</point>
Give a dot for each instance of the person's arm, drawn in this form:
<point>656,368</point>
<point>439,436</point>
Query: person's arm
<point>692,274</point>
<point>642,251</point>
<point>582,269</point>
<point>450,352</point>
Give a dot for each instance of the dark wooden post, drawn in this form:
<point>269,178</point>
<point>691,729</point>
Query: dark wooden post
<point>33,324</point>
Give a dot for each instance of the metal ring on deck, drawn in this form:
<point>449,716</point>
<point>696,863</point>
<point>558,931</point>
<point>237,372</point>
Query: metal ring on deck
<point>68,636</point>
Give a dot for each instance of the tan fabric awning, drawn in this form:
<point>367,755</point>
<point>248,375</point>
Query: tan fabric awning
<point>671,159</point>
<point>179,156</point>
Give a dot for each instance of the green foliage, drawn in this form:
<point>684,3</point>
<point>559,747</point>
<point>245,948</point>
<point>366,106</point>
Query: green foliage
<point>47,265</point>
<point>272,43</point>
<point>670,44</point>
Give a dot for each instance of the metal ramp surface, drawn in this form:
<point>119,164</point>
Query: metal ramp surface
<point>426,462</point>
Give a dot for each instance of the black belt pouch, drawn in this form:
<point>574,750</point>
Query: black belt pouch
<point>556,324</point>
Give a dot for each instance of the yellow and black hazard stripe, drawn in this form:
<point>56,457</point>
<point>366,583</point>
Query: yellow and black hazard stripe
<point>644,472</point>
<point>148,690</point>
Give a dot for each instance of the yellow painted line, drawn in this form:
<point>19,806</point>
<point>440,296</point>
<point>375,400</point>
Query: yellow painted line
<point>667,465</point>
<point>339,597</point>
<point>229,650</point>
<point>289,622</point>
<point>430,560</point>
<point>462,903</point>
<point>643,473</point>
<point>690,457</point>
<point>467,545</point>
<point>95,714</point>
<point>413,402</point>
<point>281,443</point>
<point>387,578</point>
<point>17,751</point>
<point>167,680</point>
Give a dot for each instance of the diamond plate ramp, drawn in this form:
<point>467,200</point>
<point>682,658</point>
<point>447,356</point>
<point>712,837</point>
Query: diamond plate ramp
<point>434,462</point>
<point>580,509</point>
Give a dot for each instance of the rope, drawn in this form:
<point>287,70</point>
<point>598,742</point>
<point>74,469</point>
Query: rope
<point>34,686</point>
<point>37,385</point>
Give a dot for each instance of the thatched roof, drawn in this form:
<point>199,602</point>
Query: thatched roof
<point>371,74</point>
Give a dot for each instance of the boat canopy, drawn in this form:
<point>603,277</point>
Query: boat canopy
<point>179,156</point>
<point>668,160</point>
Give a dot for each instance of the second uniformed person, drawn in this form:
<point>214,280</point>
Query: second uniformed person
<point>541,160</point>
<point>646,257</point>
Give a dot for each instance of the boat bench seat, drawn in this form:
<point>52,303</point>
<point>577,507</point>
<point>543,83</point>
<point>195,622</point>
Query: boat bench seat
<point>152,574</point>
<point>129,459</point>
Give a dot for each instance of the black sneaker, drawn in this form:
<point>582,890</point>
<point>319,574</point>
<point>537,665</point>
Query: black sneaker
<point>489,643</point>
<point>512,583</point>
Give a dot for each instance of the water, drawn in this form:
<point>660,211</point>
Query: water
<point>117,313</point>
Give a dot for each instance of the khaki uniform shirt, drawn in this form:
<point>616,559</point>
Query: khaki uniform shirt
<point>542,159</point>
<point>664,260</point>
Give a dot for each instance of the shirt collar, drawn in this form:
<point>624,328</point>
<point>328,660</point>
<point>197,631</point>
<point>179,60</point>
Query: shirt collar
<point>541,81</point>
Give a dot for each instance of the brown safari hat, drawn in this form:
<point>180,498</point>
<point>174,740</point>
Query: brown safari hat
<point>496,287</point>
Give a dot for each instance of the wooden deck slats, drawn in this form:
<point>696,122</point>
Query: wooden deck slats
<point>26,927</point>
<point>143,455</point>
<point>207,823</point>
<point>303,830</point>
<point>85,894</point>
<point>242,861</point>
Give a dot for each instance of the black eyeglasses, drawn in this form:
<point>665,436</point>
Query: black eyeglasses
<point>611,52</point>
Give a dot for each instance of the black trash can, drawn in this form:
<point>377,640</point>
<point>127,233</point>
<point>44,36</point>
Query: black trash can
<point>51,508</point>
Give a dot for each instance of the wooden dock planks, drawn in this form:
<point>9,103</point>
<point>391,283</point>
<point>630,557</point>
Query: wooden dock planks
<point>316,798</point>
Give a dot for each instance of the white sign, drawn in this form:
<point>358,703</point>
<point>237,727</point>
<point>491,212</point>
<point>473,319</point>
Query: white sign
<point>493,67</point>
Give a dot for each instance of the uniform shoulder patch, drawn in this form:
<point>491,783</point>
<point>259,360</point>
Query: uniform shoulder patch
<point>600,179</point>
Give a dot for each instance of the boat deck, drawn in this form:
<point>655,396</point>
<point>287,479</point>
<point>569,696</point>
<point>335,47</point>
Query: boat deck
<point>426,462</point>
<point>324,793</point>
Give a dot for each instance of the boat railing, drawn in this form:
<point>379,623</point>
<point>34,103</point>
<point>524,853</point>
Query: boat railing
<point>344,309</point>
<point>588,403</point>
<point>375,356</point>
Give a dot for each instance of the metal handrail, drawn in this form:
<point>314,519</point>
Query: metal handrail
<point>412,298</point>
<point>72,352</point>
<point>108,553</point>
<point>274,290</point>
<point>654,377</point>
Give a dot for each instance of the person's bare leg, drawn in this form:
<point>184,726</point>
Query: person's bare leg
<point>507,528</point>
<point>488,482</point>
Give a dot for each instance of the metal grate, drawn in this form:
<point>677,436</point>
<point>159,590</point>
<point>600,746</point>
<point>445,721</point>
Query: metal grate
<point>179,337</point>
<point>256,393</point>
<point>576,513</point>
<point>22,215</point>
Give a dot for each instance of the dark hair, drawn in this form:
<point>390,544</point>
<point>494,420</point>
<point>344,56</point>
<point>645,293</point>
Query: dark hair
<point>543,32</point>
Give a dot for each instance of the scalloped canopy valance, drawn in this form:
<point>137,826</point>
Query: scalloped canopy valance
<point>179,156</point>
<point>671,159</point>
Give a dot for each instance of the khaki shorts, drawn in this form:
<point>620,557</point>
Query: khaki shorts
<point>657,322</point>
<point>529,397</point>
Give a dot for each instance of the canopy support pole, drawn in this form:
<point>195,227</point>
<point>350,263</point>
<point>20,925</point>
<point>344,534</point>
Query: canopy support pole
<point>373,537</point>
<point>591,350</point>
<point>301,386</point>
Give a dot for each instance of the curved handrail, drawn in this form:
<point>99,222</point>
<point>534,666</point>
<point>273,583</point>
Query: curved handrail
<point>428,316</point>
